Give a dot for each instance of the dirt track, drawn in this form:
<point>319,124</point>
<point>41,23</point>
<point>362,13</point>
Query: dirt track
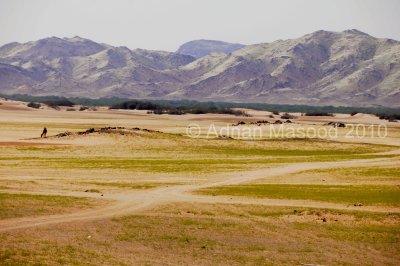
<point>136,201</point>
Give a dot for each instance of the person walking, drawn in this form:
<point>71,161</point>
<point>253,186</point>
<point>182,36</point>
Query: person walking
<point>44,133</point>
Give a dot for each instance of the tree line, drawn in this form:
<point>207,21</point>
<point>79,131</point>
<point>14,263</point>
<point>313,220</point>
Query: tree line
<point>199,107</point>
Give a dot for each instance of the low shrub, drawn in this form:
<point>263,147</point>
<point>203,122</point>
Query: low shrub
<point>34,105</point>
<point>390,117</point>
<point>287,116</point>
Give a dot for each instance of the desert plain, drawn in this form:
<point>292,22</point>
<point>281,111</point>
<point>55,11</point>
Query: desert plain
<point>140,190</point>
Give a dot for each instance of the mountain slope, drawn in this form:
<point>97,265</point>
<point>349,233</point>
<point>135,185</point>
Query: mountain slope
<point>337,68</point>
<point>200,48</point>
<point>80,67</point>
<point>347,68</point>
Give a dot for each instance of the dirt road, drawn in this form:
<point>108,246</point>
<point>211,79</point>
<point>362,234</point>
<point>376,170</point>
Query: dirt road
<point>136,201</point>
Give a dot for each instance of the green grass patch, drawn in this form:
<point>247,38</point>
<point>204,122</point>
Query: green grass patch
<point>293,148</point>
<point>45,252</point>
<point>40,149</point>
<point>129,185</point>
<point>364,233</point>
<point>21,205</point>
<point>367,195</point>
<point>391,172</point>
<point>161,165</point>
<point>278,211</point>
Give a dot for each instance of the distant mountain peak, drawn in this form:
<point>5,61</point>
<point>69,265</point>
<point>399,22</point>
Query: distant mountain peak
<point>212,41</point>
<point>356,32</point>
<point>202,47</point>
<point>76,38</point>
<point>329,34</point>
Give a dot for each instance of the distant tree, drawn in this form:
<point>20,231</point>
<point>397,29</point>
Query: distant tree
<point>390,117</point>
<point>319,114</point>
<point>57,103</point>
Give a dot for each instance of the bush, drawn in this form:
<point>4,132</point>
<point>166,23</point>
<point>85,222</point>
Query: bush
<point>83,108</point>
<point>319,114</point>
<point>158,112</point>
<point>136,105</point>
<point>190,108</point>
<point>34,105</point>
<point>287,116</point>
<point>71,109</point>
<point>230,111</point>
<point>57,103</point>
<point>390,117</point>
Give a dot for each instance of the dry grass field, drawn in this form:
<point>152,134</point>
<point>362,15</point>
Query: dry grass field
<point>148,194</point>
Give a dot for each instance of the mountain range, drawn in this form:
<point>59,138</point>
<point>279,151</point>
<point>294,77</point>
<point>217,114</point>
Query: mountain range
<point>349,68</point>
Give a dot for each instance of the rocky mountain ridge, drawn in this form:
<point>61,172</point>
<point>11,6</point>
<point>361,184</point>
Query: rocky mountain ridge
<point>321,68</point>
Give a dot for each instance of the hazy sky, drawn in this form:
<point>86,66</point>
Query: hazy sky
<point>165,24</point>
